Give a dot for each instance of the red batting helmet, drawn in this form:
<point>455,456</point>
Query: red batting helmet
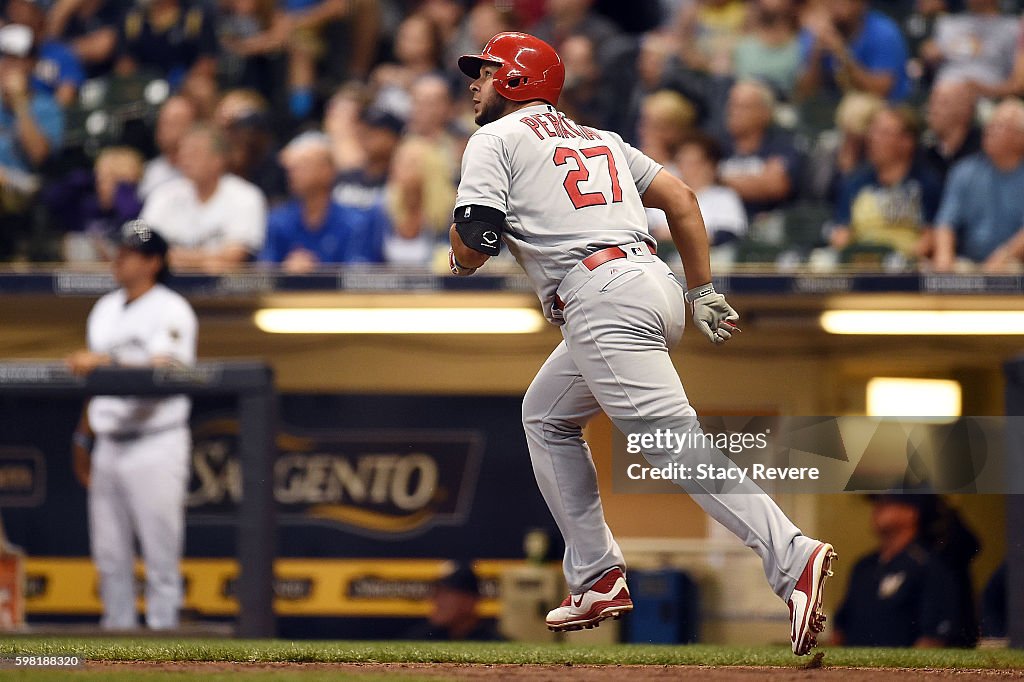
<point>529,67</point>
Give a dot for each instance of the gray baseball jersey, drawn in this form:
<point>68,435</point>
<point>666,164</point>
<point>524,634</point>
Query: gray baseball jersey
<point>548,174</point>
<point>568,191</point>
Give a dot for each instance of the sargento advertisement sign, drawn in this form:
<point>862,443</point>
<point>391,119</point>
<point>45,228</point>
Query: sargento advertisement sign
<point>380,483</point>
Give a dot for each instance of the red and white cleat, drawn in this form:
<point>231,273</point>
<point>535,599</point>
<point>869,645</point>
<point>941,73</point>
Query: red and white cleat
<point>805,614</point>
<point>608,598</point>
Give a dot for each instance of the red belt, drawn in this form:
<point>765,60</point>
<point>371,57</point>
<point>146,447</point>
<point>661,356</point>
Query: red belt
<point>595,260</point>
<point>599,258</point>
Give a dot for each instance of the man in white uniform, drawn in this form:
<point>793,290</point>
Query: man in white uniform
<point>138,473</point>
<point>566,200</point>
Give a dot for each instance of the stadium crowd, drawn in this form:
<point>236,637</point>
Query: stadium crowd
<point>300,133</point>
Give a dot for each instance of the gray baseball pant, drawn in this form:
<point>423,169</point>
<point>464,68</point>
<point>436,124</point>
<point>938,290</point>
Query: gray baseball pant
<point>620,321</point>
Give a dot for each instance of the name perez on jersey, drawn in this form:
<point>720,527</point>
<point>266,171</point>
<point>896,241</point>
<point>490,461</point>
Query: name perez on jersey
<point>557,125</point>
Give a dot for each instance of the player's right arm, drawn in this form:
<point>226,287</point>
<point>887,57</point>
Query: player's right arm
<point>481,204</point>
<point>463,260</point>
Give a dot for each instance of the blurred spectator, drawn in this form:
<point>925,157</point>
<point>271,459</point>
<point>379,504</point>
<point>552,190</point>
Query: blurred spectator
<point>976,46</point>
<point>892,200</point>
<point>213,220</point>
<point>848,46</point>
<point>311,229</point>
<point>31,121</point>
<point>585,95</point>
<point>567,18</point>
<point>58,71</point>
<point>239,23</point>
<point>666,118</point>
<point>708,31</point>
<point>838,153</point>
<point>431,119</point>
<point>90,208</point>
<point>761,162</point>
<point>31,128</point>
<point>447,17</point>
<point>342,125</point>
<point>724,217</point>
<point>655,68</point>
<point>204,94</point>
<point>771,52</point>
<point>174,120</point>
<point>994,609</point>
<point>296,29</point>
<point>418,52</point>
<point>483,20</point>
<point>363,186</point>
<point>1013,85</point>
<point>947,537</point>
<point>418,203</point>
<point>172,38</point>
<point>982,213</point>
<point>89,28</point>
<point>899,594</point>
<point>244,118</point>
<point>454,614</point>
<point>951,134</point>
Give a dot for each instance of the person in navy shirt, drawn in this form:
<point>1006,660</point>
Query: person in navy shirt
<point>311,229</point>
<point>848,46</point>
<point>900,595</point>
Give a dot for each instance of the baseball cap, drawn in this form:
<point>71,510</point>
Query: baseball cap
<point>139,236</point>
<point>381,118</point>
<point>461,578</point>
<point>16,40</point>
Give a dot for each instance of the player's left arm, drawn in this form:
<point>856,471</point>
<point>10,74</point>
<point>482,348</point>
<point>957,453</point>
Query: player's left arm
<point>714,317</point>
<point>685,223</point>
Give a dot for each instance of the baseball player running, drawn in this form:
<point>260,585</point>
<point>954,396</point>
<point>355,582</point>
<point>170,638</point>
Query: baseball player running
<point>568,201</point>
<point>137,473</point>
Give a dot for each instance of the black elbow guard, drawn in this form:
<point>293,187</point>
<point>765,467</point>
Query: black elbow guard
<point>480,228</point>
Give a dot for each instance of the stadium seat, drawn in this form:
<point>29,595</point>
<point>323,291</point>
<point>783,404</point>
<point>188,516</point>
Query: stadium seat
<point>804,222</point>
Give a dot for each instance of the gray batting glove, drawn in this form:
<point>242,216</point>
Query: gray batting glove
<point>714,317</point>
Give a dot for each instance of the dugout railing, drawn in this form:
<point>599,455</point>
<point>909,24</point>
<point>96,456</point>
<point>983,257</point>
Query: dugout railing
<point>251,384</point>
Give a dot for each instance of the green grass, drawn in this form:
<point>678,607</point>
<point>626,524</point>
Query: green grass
<point>269,651</point>
<point>183,676</point>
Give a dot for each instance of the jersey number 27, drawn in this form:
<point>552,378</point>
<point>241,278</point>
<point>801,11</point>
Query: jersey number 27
<point>580,173</point>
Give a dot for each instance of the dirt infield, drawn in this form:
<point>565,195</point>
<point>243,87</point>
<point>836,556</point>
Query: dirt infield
<point>562,673</point>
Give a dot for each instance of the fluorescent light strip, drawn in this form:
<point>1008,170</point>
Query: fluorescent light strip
<point>399,320</point>
<point>924,322</point>
<point>898,397</point>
